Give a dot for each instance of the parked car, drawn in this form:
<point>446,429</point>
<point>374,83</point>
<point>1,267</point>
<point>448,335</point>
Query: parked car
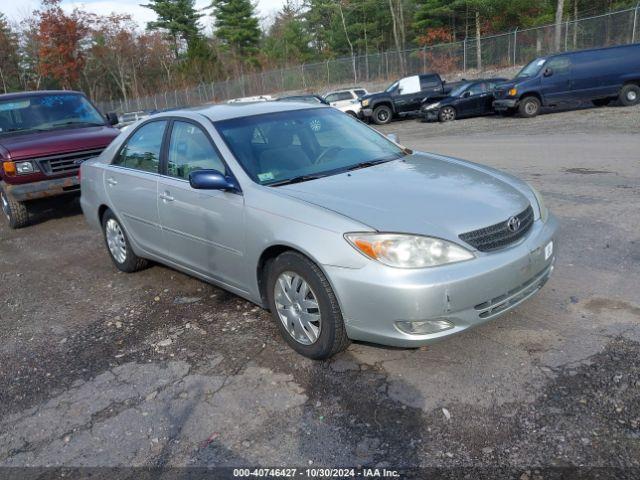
<point>340,232</point>
<point>311,98</point>
<point>599,76</point>
<point>347,100</point>
<point>469,99</point>
<point>255,98</point>
<point>403,97</point>
<point>44,136</point>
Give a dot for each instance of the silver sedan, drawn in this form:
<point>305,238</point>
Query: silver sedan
<point>342,233</point>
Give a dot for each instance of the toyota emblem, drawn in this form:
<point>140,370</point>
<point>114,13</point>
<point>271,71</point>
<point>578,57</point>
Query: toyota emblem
<point>513,224</point>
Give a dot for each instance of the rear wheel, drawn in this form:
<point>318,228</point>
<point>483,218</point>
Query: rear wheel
<point>304,306</point>
<point>16,212</point>
<point>447,114</point>
<point>382,115</point>
<point>529,107</point>
<point>630,95</point>
<point>118,245</point>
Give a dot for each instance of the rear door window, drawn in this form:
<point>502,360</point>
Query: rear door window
<point>141,151</point>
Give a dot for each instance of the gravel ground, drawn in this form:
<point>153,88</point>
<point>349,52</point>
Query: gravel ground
<point>101,368</point>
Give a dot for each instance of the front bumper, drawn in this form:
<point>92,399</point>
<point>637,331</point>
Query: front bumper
<point>367,112</point>
<point>431,114</point>
<point>466,294</point>
<point>505,104</point>
<point>44,188</point>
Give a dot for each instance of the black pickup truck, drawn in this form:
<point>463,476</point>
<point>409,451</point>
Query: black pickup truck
<point>403,97</point>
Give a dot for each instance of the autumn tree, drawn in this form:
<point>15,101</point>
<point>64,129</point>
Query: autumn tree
<point>9,68</point>
<point>60,55</point>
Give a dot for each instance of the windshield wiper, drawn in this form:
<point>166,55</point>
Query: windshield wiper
<point>90,124</point>
<point>370,163</point>
<point>298,179</point>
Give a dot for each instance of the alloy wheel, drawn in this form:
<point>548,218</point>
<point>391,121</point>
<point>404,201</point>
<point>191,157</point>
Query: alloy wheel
<point>383,116</point>
<point>531,108</point>
<point>632,96</point>
<point>448,114</point>
<point>115,241</point>
<point>297,307</point>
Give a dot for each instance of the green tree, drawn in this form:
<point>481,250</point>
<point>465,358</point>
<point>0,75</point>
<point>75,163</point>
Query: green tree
<point>288,41</point>
<point>237,29</point>
<point>9,59</point>
<point>179,19</point>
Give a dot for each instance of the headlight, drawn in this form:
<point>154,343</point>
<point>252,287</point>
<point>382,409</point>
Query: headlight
<point>407,251</point>
<point>544,211</point>
<point>365,103</point>
<point>24,167</point>
<point>513,92</point>
<point>432,106</point>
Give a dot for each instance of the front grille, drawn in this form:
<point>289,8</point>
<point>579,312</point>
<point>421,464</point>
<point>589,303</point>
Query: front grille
<point>499,235</point>
<point>65,163</point>
<point>514,296</point>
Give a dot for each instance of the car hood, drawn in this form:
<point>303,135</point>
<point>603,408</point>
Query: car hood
<point>422,194</point>
<point>374,95</point>
<point>37,144</point>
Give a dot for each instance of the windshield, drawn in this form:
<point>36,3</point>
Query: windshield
<point>532,69</point>
<point>392,87</point>
<point>283,146</point>
<point>47,112</point>
<point>456,92</point>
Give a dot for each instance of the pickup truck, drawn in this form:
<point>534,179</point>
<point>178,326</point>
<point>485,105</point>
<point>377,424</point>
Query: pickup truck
<point>403,97</point>
<point>44,137</point>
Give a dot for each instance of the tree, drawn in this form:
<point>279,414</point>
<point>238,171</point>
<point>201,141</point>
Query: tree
<point>558,28</point>
<point>180,20</point>
<point>237,28</point>
<point>287,41</point>
<point>60,55</point>
<point>9,68</point>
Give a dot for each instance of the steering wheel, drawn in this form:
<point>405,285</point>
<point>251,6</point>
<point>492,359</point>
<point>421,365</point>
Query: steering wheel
<point>323,155</point>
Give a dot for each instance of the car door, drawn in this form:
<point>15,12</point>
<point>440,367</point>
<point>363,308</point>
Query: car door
<point>408,94</point>
<point>471,100</point>
<point>131,182</point>
<point>203,230</point>
<point>557,82</point>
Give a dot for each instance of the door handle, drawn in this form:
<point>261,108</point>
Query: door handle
<point>112,181</point>
<point>166,197</point>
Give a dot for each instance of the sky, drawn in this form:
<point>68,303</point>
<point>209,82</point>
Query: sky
<point>18,9</point>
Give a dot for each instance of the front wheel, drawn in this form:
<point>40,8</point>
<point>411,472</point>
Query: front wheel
<point>304,306</point>
<point>118,245</point>
<point>382,115</point>
<point>16,212</point>
<point>447,114</point>
<point>529,107</point>
<point>630,95</point>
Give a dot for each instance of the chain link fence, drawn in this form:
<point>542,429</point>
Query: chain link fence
<point>464,57</point>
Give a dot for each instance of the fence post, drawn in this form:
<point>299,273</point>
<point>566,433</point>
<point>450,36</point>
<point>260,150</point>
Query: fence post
<point>635,23</point>
<point>515,44</point>
<point>566,35</point>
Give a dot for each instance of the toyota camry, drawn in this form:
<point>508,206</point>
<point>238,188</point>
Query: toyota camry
<point>342,233</point>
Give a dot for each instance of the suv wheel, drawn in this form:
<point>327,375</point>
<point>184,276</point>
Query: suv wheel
<point>630,95</point>
<point>447,114</point>
<point>118,245</point>
<point>15,212</point>
<point>382,115</point>
<point>529,107</point>
<point>304,306</point>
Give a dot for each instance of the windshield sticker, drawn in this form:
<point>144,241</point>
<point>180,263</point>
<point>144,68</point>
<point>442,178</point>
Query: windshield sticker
<point>263,177</point>
<point>315,125</point>
<point>4,107</point>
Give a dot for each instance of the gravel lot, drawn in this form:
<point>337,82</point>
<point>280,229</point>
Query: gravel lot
<point>101,368</point>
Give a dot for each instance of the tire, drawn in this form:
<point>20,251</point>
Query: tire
<point>629,95</point>
<point>330,334</point>
<point>353,114</point>
<point>529,107</point>
<point>113,231</point>
<point>601,102</point>
<point>447,114</point>
<point>15,212</point>
<point>382,115</point>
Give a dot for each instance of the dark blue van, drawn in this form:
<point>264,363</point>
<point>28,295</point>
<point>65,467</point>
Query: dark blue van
<point>600,76</point>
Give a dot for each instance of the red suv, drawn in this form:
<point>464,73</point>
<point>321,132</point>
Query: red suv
<point>44,137</point>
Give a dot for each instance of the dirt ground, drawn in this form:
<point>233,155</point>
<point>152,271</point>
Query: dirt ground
<point>102,368</point>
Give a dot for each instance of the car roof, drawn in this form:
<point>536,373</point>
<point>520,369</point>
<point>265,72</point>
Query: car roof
<point>9,96</point>
<point>228,111</point>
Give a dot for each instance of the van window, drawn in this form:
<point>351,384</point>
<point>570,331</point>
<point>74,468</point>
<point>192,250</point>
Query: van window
<point>559,65</point>
<point>360,93</point>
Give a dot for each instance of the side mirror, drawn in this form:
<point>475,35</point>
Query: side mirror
<point>466,94</point>
<point>211,180</point>
<point>393,137</point>
<point>548,72</point>
<point>112,118</point>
